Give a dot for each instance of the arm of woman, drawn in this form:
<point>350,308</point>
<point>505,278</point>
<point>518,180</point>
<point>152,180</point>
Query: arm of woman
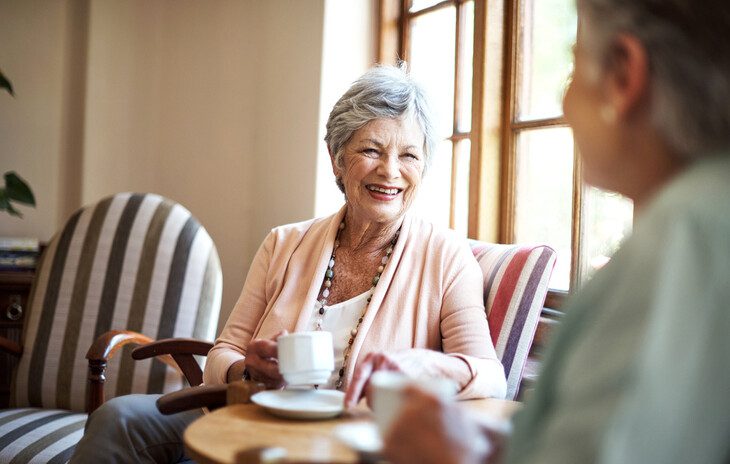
<point>467,357</point>
<point>227,359</point>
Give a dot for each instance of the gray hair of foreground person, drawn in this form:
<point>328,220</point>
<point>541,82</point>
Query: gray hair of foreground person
<point>382,92</point>
<point>688,48</point>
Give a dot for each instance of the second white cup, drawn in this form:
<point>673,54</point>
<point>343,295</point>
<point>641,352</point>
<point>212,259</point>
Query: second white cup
<point>306,358</point>
<point>387,394</point>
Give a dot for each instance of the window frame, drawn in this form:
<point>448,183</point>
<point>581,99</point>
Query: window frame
<point>494,122</point>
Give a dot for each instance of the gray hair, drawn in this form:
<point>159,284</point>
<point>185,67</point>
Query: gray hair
<point>382,92</point>
<point>688,48</point>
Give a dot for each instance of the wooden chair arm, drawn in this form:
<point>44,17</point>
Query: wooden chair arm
<point>172,346</point>
<point>99,354</point>
<point>210,396</point>
<point>110,342</point>
<point>10,347</point>
<point>182,351</point>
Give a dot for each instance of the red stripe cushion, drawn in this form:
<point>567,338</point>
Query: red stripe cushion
<point>516,281</point>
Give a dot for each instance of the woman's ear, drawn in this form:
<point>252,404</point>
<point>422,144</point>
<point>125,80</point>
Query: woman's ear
<point>627,76</point>
<point>336,170</point>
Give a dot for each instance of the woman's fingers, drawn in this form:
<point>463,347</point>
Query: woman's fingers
<point>370,364</point>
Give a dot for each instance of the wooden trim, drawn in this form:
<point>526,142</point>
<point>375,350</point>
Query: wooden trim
<point>509,161</point>
<point>485,182</point>
<point>538,123</point>
<point>389,31</point>
<point>431,9</point>
<point>458,136</point>
<point>405,41</point>
<point>577,226</point>
<point>555,299</point>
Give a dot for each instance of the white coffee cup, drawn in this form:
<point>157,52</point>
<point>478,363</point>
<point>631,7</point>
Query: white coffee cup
<point>387,394</point>
<point>306,358</point>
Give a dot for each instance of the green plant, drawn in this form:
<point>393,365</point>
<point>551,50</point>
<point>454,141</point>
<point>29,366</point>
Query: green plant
<point>16,189</point>
<point>5,84</point>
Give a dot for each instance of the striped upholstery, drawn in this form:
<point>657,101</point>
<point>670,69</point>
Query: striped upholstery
<point>515,285</point>
<point>41,435</point>
<point>129,262</point>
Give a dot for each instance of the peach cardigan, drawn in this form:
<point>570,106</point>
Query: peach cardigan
<point>429,296</point>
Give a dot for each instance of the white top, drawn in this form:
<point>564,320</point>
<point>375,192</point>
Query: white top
<point>339,319</point>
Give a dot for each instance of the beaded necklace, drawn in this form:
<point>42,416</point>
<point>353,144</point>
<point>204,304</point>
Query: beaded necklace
<point>325,293</point>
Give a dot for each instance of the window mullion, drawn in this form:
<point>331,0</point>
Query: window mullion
<point>577,228</point>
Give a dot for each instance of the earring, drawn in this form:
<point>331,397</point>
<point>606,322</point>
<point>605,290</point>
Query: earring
<point>608,114</point>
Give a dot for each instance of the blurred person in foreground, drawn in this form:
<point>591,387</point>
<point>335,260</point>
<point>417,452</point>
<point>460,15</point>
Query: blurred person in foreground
<point>639,371</point>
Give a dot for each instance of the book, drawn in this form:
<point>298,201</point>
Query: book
<point>19,244</point>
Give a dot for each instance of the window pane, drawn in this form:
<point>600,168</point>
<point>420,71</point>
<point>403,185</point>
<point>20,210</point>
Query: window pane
<point>466,51</point>
<point>544,194</point>
<point>545,59</point>
<point>607,219</point>
<point>461,200</point>
<point>433,37</point>
<point>433,200</point>
<point>417,5</point>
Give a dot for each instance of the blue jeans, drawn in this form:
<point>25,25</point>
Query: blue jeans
<point>130,429</point>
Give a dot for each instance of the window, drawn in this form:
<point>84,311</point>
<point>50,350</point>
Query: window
<point>507,169</point>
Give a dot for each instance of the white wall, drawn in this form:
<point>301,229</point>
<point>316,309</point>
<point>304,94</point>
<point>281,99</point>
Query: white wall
<point>215,104</point>
<point>348,50</point>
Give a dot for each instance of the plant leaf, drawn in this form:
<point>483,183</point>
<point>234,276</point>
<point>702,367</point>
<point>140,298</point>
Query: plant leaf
<point>6,206</point>
<point>5,84</point>
<point>17,189</point>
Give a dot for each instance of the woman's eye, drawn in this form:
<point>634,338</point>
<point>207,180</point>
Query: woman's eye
<point>411,156</point>
<point>370,152</point>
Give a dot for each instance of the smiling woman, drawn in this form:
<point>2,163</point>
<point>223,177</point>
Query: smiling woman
<point>396,292</point>
<point>382,165</point>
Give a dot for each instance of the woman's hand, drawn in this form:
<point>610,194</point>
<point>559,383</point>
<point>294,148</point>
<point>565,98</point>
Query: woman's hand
<point>370,364</point>
<point>262,362</point>
<point>428,430</point>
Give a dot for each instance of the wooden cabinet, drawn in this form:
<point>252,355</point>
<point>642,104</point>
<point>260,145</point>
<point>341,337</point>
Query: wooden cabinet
<point>14,292</point>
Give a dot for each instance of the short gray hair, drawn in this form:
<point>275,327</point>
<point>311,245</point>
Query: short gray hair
<point>382,92</point>
<point>688,48</point>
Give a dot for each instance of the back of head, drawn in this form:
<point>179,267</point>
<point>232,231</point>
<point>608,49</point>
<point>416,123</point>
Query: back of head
<point>688,48</point>
<point>382,92</point>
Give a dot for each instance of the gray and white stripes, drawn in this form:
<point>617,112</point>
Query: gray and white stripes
<point>131,262</point>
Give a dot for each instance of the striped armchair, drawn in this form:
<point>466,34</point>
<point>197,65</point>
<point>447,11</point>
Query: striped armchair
<point>128,265</point>
<point>516,281</point>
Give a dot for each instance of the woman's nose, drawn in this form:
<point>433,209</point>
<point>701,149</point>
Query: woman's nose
<point>389,166</point>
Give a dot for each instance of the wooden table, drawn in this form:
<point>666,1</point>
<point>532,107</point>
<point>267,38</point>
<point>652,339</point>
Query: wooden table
<point>218,437</point>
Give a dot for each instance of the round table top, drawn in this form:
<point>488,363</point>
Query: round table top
<point>220,436</point>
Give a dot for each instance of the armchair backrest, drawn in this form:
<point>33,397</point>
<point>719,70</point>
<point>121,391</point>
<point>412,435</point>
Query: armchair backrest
<point>130,262</point>
<point>516,279</point>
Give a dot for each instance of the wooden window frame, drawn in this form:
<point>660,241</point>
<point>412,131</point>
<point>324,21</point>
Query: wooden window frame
<point>494,122</point>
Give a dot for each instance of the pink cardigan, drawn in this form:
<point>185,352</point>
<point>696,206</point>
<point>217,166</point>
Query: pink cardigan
<point>429,296</point>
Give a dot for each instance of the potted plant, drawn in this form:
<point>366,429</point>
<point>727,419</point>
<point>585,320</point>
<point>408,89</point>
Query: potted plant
<point>16,189</point>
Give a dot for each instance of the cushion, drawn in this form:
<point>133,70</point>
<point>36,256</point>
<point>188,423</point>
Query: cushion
<point>39,435</point>
<point>516,279</point>
<point>131,261</point>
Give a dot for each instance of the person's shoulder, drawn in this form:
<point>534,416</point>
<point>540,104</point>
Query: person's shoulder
<point>701,195</point>
<point>297,230</point>
<point>437,238</point>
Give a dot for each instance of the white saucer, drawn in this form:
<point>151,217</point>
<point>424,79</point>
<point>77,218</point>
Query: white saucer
<point>360,436</point>
<point>301,404</point>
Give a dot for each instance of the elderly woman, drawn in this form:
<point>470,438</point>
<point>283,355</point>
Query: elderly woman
<point>396,292</point>
<point>639,371</point>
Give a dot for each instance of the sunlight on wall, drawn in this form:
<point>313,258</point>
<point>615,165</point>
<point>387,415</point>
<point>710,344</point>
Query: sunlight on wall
<point>348,50</point>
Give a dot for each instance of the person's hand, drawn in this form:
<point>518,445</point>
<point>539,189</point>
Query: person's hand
<point>262,362</point>
<point>429,430</point>
<point>372,362</point>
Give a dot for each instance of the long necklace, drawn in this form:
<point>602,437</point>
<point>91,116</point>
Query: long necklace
<point>325,293</point>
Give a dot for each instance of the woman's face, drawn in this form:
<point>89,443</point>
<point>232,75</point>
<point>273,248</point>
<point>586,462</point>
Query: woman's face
<point>381,168</point>
<point>588,111</point>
